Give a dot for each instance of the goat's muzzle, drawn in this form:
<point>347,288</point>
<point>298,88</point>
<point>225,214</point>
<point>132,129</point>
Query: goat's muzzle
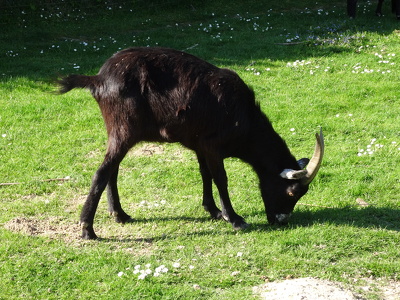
<point>278,219</point>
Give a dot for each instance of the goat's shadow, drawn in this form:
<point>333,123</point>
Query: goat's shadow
<point>363,217</point>
<point>366,217</point>
<point>152,239</point>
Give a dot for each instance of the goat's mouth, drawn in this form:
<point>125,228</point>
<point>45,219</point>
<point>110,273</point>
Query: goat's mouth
<point>278,219</point>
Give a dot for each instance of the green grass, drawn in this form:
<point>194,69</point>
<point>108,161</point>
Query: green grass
<point>309,68</point>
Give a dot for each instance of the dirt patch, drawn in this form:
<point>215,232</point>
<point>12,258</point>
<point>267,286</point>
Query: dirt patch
<point>391,291</point>
<point>317,289</point>
<point>52,227</point>
<point>385,289</point>
<point>148,150</point>
<point>69,232</point>
<point>304,289</point>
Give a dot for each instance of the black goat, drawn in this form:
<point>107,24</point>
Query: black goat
<point>163,95</point>
<point>352,7</point>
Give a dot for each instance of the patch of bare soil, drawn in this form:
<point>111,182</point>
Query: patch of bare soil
<point>317,289</point>
<point>53,227</point>
<point>69,232</point>
<point>391,291</point>
<point>304,289</point>
<point>148,150</point>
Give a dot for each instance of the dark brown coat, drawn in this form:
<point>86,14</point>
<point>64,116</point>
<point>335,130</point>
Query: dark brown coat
<point>164,95</point>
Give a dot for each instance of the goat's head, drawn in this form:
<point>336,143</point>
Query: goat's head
<point>292,185</point>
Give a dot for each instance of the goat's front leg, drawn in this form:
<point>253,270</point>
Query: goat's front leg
<point>208,199</point>
<point>114,204</point>
<point>216,167</point>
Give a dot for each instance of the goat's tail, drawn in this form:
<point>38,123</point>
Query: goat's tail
<point>76,81</point>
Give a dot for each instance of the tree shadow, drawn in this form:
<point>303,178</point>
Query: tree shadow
<point>45,59</point>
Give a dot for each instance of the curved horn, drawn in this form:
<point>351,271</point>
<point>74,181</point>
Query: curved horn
<point>315,162</point>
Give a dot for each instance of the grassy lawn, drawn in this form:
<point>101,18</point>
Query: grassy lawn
<point>309,66</point>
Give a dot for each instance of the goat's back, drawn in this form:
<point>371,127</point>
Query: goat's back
<point>168,95</point>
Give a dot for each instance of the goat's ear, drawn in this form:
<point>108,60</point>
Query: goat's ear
<point>303,162</point>
<point>293,174</point>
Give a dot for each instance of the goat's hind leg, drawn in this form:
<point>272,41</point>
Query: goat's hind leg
<point>99,183</point>
<point>114,204</point>
<point>108,169</point>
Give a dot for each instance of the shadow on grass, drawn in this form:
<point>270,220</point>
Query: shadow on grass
<point>196,221</point>
<point>368,217</point>
<point>38,50</point>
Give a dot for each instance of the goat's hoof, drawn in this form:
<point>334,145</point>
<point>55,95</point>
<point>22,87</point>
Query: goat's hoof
<point>124,220</point>
<point>225,217</point>
<point>216,215</point>
<point>121,217</point>
<point>89,236</point>
<point>240,225</point>
<point>88,232</point>
<point>214,212</point>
